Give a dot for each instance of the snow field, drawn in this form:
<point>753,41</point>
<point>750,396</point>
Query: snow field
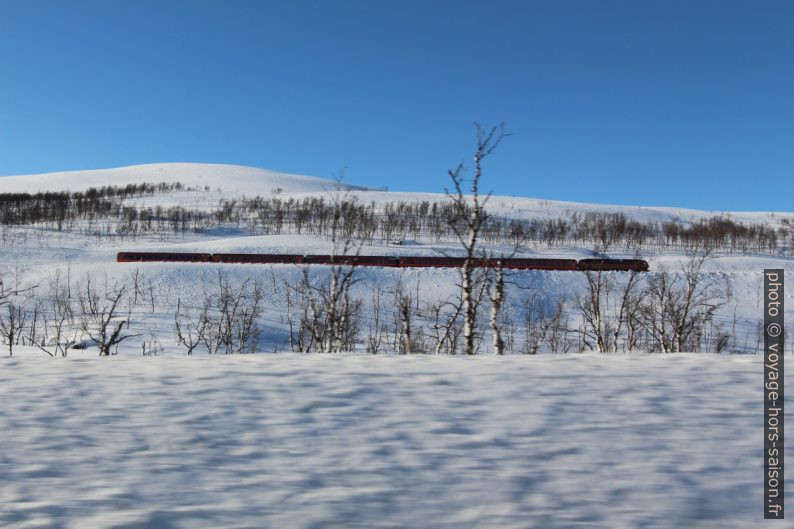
<point>609,441</point>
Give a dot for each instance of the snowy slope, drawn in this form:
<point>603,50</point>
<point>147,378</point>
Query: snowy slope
<point>37,255</point>
<point>234,179</point>
<point>613,441</point>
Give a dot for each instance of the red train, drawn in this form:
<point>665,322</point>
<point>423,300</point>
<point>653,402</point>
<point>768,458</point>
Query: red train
<point>516,263</point>
<point>145,257</point>
<point>612,264</point>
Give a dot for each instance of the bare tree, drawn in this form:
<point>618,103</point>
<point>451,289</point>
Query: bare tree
<point>496,294</point>
<point>446,325</point>
<point>678,307</point>
<point>593,306</point>
<point>227,322</point>
<point>57,324</point>
<point>102,318</point>
<point>8,292</point>
<point>328,314</point>
<point>555,329</point>
<point>377,328</point>
<point>544,326</point>
<point>150,288</point>
<point>533,323</point>
<point>16,315</point>
<point>627,319</point>
<point>611,311</point>
<point>636,330</point>
<point>190,328</point>
<point>151,347</point>
<point>13,321</point>
<point>297,316</point>
<point>340,308</point>
<point>467,222</point>
<point>408,339</point>
<point>137,287</point>
<point>245,322</point>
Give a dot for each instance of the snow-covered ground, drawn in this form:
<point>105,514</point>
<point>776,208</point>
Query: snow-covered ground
<point>313,441</point>
<point>34,255</point>
<point>318,441</point>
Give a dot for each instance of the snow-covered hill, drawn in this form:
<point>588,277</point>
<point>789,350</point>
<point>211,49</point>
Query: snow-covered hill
<point>235,180</point>
<point>34,255</point>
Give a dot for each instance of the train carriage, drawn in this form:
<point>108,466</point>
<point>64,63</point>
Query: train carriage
<point>638,265</point>
<point>432,261</point>
<point>173,257</point>
<point>352,260</point>
<point>256,258</point>
<point>376,260</point>
<point>539,264</point>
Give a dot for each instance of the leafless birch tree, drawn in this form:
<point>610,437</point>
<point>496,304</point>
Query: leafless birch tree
<point>467,222</point>
<point>446,325</point>
<point>57,330</point>
<point>14,319</point>
<point>190,328</point>
<point>496,294</point>
<point>678,307</point>
<point>593,306</point>
<point>227,322</point>
<point>327,313</point>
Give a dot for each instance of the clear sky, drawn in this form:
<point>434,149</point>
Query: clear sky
<point>682,103</point>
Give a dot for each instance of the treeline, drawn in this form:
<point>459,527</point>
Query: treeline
<point>103,212</point>
<point>62,209</point>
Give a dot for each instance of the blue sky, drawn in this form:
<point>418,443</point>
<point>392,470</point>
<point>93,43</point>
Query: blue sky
<point>681,103</point>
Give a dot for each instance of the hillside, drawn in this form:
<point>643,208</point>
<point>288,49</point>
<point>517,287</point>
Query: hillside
<point>151,437</point>
<point>233,179</point>
<point>219,212</point>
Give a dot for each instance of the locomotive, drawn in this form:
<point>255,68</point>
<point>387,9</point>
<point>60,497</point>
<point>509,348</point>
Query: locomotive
<point>514,263</point>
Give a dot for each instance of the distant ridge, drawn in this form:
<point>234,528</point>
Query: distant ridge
<point>236,181</point>
<point>230,178</point>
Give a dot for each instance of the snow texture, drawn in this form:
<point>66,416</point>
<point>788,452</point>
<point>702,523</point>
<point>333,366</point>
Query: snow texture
<point>289,441</point>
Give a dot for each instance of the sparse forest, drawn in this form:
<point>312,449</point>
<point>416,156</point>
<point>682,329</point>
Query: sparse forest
<point>110,212</point>
<point>662,311</point>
